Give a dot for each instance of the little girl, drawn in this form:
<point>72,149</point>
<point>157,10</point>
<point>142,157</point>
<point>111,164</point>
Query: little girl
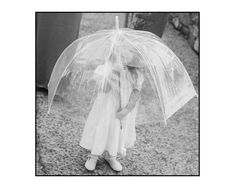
<point>114,109</point>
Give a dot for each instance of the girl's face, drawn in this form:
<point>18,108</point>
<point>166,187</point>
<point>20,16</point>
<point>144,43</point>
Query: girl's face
<point>141,69</point>
<point>117,67</point>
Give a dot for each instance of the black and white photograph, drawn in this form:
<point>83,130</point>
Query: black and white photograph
<point>117,93</point>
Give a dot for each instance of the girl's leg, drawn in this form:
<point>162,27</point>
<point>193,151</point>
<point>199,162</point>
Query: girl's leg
<point>115,165</point>
<point>91,162</point>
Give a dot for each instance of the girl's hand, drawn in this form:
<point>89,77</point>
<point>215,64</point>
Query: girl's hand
<point>121,114</point>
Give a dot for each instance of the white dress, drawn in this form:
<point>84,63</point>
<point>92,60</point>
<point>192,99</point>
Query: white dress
<point>102,128</point>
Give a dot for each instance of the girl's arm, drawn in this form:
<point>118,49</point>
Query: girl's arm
<point>134,97</point>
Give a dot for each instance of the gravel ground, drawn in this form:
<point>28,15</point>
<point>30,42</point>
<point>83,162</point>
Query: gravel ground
<point>160,149</point>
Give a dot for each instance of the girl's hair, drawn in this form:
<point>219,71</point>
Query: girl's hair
<point>133,70</point>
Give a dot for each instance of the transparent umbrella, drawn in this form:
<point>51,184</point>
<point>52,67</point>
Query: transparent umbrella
<point>74,75</point>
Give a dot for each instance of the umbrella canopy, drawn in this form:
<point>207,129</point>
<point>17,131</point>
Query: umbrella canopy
<point>78,64</point>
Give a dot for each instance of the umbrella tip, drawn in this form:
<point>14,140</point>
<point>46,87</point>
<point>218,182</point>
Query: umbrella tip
<point>116,22</point>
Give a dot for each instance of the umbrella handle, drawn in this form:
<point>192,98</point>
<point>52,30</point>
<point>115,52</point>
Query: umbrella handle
<point>123,149</point>
<point>120,92</point>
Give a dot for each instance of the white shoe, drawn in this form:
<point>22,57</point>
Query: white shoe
<point>115,165</point>
<point>91,162</point>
